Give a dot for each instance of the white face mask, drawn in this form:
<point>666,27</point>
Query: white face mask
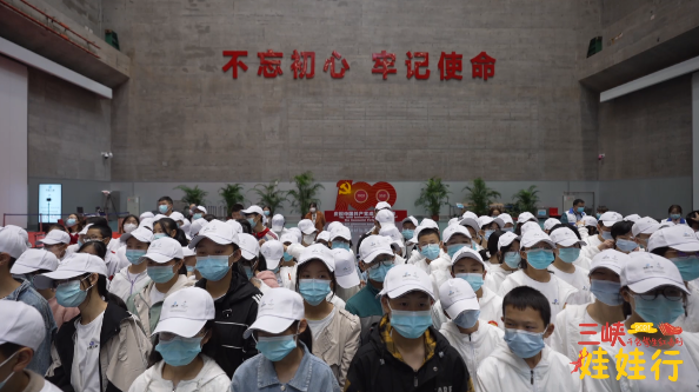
<point>308,238</point>
<point>312,209</point>
<point>129,227</point>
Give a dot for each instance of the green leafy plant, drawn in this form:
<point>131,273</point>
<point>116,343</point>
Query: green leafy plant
<point>480,197</point>
<point>305,192</point>
<point>192,195</point>
<point>270,196</point>
<point>232,194</point>
<point>433,195</point>
<point>526,200</point>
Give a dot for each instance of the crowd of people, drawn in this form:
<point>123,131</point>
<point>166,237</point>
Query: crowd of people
<point>188,302</point>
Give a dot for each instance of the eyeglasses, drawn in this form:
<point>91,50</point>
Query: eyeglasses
<point>687,255</point>
<point>671,293</point>
<point>384,262</point>
<point>57,283</point>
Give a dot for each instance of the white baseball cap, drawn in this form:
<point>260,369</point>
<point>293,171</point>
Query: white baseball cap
<point>289,237</point>
<point>76,264</point>
<point>564,236</point>
<point>550,223</point>
<point>504,219</point>
<point>589,220</point>
<point>485,220</point>
<point>632,217</point>
<point>385,218</point>
<point>21,325</point>
<point>307,227</point>
<point>249,246</point>
<point>188,252</point>
<point>163,250</point>
<point>453,221</point>
<point>609,218</point>
<point>158,217</point>
<point>295,250</point>
<point>680,237</point>
<point>405,278</point>
<point>55,237</point>
<point>341,232</point>
<point>197,225</point>
<point>525,217</point>
<point>87,227</point>
<point>470,222</point>
<point>645,225</point>
<point>253,210</point>
<point>410,219</point>
<point>279,308</point>
<point>345,270</point>
<point>273,251</point>
<point>141,234</point>
<point>533,237</point>
<point>381,205</point>
<point>218,232</point>
<point>427,222</point>
<point>323,236</point>
<point>392,233</point>
<point>278,222</point>
<point>457,296</point>
<point>201,208</point>
<point>297,232</point>
<point>530,226</point>
<point>645,271</point>
<point>455,229</point>
<point>34,260</point>
<point>507,239</point>
<point>373,246</point>
<point>611,259</point>
<point>146,215</point>
<point>318,252</point>
<point>237,227</point>
<point>666,223</point>
<point>185,312</point>
<point>146,222</point>
<point>334,225</point>
<point>467,253</point>
<point>176,216</point>
<point>13,241</point>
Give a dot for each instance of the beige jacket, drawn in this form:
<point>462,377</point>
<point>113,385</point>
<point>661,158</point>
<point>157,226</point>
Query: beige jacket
<point>139,303</point>
<point>338,343</point>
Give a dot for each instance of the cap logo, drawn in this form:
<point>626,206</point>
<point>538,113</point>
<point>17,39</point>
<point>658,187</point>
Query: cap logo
<point>410,275</point>
<point>179,307</point>
<point>269,302</point>
<point>453,292</point>
<point>651,268</point>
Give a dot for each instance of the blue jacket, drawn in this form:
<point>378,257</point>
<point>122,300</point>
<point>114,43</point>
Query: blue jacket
<point>258,374</point>
<point>42,357</point>
<point>682,221</point>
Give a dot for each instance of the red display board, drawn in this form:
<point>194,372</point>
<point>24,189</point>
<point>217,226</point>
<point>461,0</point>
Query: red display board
<point>360,216</point>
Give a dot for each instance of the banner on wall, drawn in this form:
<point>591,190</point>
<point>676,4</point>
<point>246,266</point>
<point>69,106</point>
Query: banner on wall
<point>356,200</point>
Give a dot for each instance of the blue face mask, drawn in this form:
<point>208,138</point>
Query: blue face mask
<point>163,208</point>
<point>408,234</point>
<point>524,344</point>
<point>213,267</point>
<point>626,245</point>
<point>488,233</point>
<point>598,215</point>
<point>431,251</point>
<point>512,259</point>
<point>411,325</point>
<point>341,245</point>
<point>71,222</point>
<point>158,236</point>
<point>607,292</point>
<point>467,319</point>
<point>607,235</point>
<point>689,268</point>
<point>658,311</point>
<point>160,273</point>
<point>190,268</point>
<point>287,257</point>
<point>179,351</point>
<point>134,256</point>
<point>540,258</point>
<point>568,255</point>
<point>251,221</point>
<point>196,216</point>
<point>69,294</point>
<point>675,216</point>
<point>266,213</point>
<point>248,272</point>
<point>276,348</point>
<point>510,229</point>
<point>581,210</point>
<point>452,249</point>
<point>378,274</point>
<point>314,291</point>
<point>475,280</point>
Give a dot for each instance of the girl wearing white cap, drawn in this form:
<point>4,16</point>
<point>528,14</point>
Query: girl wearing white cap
<point>252,263</point>
<point>603,240</point>
<point>653,292</point>
<point>133,277</point>
<point>104,348</point>
<point>508,258</point>
<point>569,245</point>
<point>285,361</point>
<point>166,270</point>
<point>335,331</point>
<point>177,364</point>
<point>190,262</point>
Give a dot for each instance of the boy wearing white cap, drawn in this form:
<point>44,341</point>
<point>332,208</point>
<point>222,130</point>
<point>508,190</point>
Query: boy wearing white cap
<point>255,216</point>
<point>284,340</point>
<point>273,252</point>
<point>569,246</point>
<point>474,338</point>
<point>653,292</point>
<point>508,259</point>
<point>323,238</point>
<point>190,262</point>
<point>588,227</point>
<point>603,240</point>
<point>21,334</point>
<point>56,242</point>
<point>278,222</point>
<point>186,325</point>
<point>405,353</point>
<point>13,243</point>
<point>642,229</point>
<point>133,277</point>
<point>346,274</point>
<point>606,308</point>
<point>432,258</point>
<point>250,261</point>
<point>104,348</point>
<point>308,230</point>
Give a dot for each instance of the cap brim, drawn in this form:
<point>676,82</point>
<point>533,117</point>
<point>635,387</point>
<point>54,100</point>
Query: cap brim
<point>269,324</point>
<point>460,306</point>
<point>157,257</point>
<point>340,236</point>
<point>48,241</point>
<point>310,230</point>
<point>213,238</point>
<point>608,223</point>
<point>186,328</point>
<point>277,228</point>
<point>690,247</point>
<point>247,255</point>
<point>348,281</point>
<point>522,246</point>
<point>46,280</point>
<point>571,242</point>
<point>370,258</point>
<point>387,224</point>
<point>610,266</point>
<point>398,291</point>
<point>272,263</point>
<point>22,269</point>
<point>647,285</point>
<point>124,237</point>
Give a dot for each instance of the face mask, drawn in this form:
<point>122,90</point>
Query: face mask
<point>2,384</point>
<point>287,257</point>
<point>512,259</point>
<point>581,210</point>
<point>467,319</point>
<point>626,245</point>
<point>378,274</point>
<point>69,294</point>
<point>510,229</point>
<point>213,267</point>
<point>431,251</point>
<point>341,245</point>
<point>411,325</point>
<point>475,280</point>
<point>658,311</point>
<point>248,272</point>
<point>71,222</point>
<point>160,274</point>
<point>312,209</point>
<point>251,221</point>
<point>452,249</point>
<point>689,268</point>
<point>314,291</point>
<point>276,348</point>
<point>158,236</point>
<point>162,208</point>
<point>607,292</point>
<point>540,258</point>
<point>607,235</point>
<point>190,268</point>
<point>568,255</point>
<point>179,351</point>
<point>488,233</point>
<point>408,234</point>
<point>196,216</point>
<point>524,344</point>
<point>134,256</point>
<point>598,215</point>
<point>308,238</point>
<point>80,243</point>
<point>129,227</point>
<point>266,213</point>
<point>675,216</point>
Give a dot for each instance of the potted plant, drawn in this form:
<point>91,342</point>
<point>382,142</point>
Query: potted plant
<point>305,192</point>
<point>480,197</point>
<point>433,195</point>
<point>270,196</point>
<point>526,200</point>
<point>192,195</point>
<point>231,194</point>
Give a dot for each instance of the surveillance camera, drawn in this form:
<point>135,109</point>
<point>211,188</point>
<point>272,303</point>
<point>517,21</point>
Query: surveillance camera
<point>107,155</point>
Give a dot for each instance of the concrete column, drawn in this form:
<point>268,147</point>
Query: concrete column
<point>695,140</point>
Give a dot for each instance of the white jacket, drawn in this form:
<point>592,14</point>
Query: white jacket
<point>476,347</point>
<point>563,289</point>
<point>578,279</point>
<point>690,322</point>
<point>211,378</point>
<point>288,277</point>
<point>491,310</point>
<point>495,276</point>
<point>582,262</point>
<point>591,250</point>
<point>566,333</point>
<point>504,371</point>
<point>439,271</point>
<point>123,288</point>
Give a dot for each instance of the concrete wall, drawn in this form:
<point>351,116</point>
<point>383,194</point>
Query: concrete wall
<point>87,13</point>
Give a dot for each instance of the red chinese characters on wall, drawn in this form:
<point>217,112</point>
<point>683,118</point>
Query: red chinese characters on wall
<point>449,65</point>
<point>414,70</point>
<point>234,63</point>
<point>270,68</point>
<point>483,66</point>
<point>383,63</point>
<point>330,63</point>
<point>301,64</point>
